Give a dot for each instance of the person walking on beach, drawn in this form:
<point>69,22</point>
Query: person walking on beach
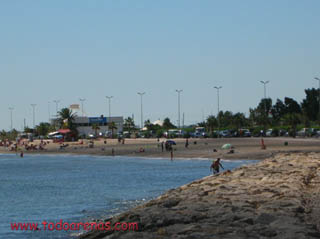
<point>162,145</point>
<point>215,166</point>
<point>187,143</point>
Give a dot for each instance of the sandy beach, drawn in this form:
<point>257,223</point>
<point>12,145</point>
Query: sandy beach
<point>244,148</point>
<point>275,198</point>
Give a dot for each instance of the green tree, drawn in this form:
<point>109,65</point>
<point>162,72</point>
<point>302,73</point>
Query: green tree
<point>292,106</point>
<point>112,126</point>
<point>167,124</point>
<point>239,121</point>
<point>310,105</point>
<point>151,127</point>
<point>211,123</point>
<point>66,121</point>
<point>225,119</point>
<point>259,115</point>
<point>148,124</point>
<point>28,130</point>
<point>43,128</point>
<point>95,127</point>
<point>278,110</point>
<point>129,124</point>
<point>66,118</point>
<point>3,134</point>
<point>292,119</point>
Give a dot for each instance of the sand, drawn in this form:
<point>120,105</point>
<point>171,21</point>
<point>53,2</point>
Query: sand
<point>244,148</point>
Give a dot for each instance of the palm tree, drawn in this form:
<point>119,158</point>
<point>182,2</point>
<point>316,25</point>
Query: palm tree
<point>112,126</point>
<point>66,118</point>
<point>95,127</point>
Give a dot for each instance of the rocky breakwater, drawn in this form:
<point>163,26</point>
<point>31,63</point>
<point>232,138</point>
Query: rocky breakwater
<point>276,198</point>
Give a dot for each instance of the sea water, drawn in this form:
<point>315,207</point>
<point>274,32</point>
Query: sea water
<point>39,188</point>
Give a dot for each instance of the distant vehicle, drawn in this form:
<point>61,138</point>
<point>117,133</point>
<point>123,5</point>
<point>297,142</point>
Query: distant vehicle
<point>312,132</point>
<point>235,133</point>
<point>269,133</point>
<point>126,134</point>
<point>245,133</point>
<point>200,132</point>
<point>225,133</point>
<point>91,136</point>
<point>173,133</point>
<point>317,133</point>
<point>307,132</point>
<point>52,134</point>
<point>196,135</point>
<point>282,132</point>
<point>57,136</point>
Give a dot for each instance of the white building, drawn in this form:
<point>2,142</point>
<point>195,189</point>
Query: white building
<point>84,124</point>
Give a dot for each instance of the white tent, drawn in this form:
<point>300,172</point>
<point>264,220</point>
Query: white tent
<point>158,122</point>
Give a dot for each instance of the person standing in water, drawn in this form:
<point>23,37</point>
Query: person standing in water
<point>215,166</point>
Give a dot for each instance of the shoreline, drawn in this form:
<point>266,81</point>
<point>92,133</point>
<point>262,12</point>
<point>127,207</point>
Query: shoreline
<point>278,197</point>
<point>130,156</point>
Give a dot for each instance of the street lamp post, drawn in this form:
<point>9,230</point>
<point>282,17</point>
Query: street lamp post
<point>82,100</point>
<point>57,102</point>
<point>109,102</point>
<point>33,111</point>
<point>179,91</point>
<point>11,109</point>
<point>265,102</point>
<point>319,95</point>
<point>265,94</point>
<point>49,113</point>
<point>218,118</point>
<point>141,94</point>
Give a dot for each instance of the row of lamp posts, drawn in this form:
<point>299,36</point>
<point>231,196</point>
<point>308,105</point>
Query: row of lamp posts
<point>141,104</point>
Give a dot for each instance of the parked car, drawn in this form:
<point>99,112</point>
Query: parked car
<point>307,132</point>
<point>126,134</point>
<point>245,133</point>
<point>282,132</point>
<point>225,133</point>
<point>317,133</point>
<point>269,133</point>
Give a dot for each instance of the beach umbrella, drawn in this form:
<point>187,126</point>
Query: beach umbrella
<point>226,146</point>
<point>171,142</point>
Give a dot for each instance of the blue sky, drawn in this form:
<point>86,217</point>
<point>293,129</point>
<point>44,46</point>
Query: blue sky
<point>68,50</point>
